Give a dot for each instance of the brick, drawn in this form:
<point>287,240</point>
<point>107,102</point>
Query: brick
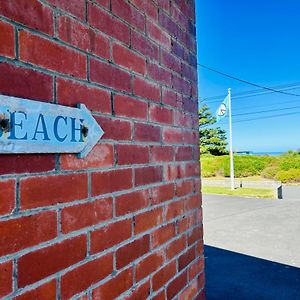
<point>101,156</point>
<point>187,10</point>
<point>175,209</point>
<point>162,193</point>
<point>51,190</point>
<point>160,296</point>
<point>114,287</point>
<point>7,196</point>
<point>25,83</point>
<point>110,235</point>
<point>183,120</point>
<point>24,232</point>
<point>129,107</point>
<point>167,23</point>
<point>111,181</point>
<point>162,153</point>
<point>49,55</point>
<point>140,292</point>
<point>44,262</point>
<point>164,275</point>
<point>7,40</point>
<point>83,297</point>
<point>184,153</point>
<point>129,13</point>
<point>159,74</point>
<point>132,251</point>
<point>201,282</point>
<point>140,43</point>
<point>104,3</point>
<point>196,268</point>
<point>114,129</point>
<point>85,275</point>
<point>161,114</point>
<point>162,235</point>
<point>108,24</point>
<point>190,292</point>
<point>95,212</point>
<point>164,4</point>
<point>158,35</point>
<point>6,277</point>
<point>184,188</point>
<point>190,137</point>
<point>71,93</point>
<point>196,154</point>
<point>46,291</point>
<point>74,7</point>
<point>186,223</point>
<point>178,16</point>
<point>172,172</point>
<point>131,202</point>
<point>148,220</point>
<point>176,285</point>
<point>182,86</point>
<point>132,154</point>
<point>110,76</point>
<point>193,202</point>
<point>195,235</point>
<point>29,163</point>
<point>83,37</point>
<point>169,97</point>
<point>146,133</point>
<point>30,13</point>
<point>176,247</point>
<point>146,89</point>
<point>189,72</point>
<point>149,265</point>
<point>148,175</point>
<point>147,7</point>
<point>178,50</point>
<point>172,135</point>
<point>133,61</point>
<point>192,169</point>
<point>171,62</point>
<point>186,258</point>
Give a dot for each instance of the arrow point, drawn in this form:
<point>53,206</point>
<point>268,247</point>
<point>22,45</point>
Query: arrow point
<point>94,134</point>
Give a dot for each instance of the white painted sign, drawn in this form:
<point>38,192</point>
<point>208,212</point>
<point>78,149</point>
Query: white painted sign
<point>28,126</point>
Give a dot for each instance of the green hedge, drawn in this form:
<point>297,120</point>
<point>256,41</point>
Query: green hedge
<point>285,168</point>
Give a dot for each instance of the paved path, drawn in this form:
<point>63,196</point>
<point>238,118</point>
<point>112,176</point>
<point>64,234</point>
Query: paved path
<point>252,248</point>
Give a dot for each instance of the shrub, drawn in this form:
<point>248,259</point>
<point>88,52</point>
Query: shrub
<point>290,162</point>
<point>292,175</point>
<point>270,172</point>
<point>245,166</point>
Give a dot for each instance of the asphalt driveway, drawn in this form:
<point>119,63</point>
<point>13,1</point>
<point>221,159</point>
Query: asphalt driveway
<point>252,248</point>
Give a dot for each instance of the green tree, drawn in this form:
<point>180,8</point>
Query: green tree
<point>212,140</point>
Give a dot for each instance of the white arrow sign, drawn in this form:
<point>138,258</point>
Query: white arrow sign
<point>28,126</point>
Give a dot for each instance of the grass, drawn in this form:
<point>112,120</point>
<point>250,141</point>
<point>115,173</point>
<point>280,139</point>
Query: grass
<point>241,192</point>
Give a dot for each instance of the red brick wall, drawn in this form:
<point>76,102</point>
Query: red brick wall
<point>126,221</point>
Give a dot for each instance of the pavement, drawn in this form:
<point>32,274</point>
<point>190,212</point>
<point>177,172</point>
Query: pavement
<point>252,248</point>
<point>291,192</point>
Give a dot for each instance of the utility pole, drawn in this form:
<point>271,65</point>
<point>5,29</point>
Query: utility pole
<point>230,142</point>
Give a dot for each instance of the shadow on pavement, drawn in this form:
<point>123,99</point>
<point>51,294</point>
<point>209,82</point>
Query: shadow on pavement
<point>235,276</point>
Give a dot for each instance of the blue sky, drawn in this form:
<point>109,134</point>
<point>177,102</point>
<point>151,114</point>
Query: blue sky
<point>258,41</point>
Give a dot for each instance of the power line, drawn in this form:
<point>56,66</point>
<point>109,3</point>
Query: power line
<point>248,82</point>
<point>274,104</point>
<point>267,117</point>
<point>265,111</point>
<point>256,92</point>
<point>259,118</point>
